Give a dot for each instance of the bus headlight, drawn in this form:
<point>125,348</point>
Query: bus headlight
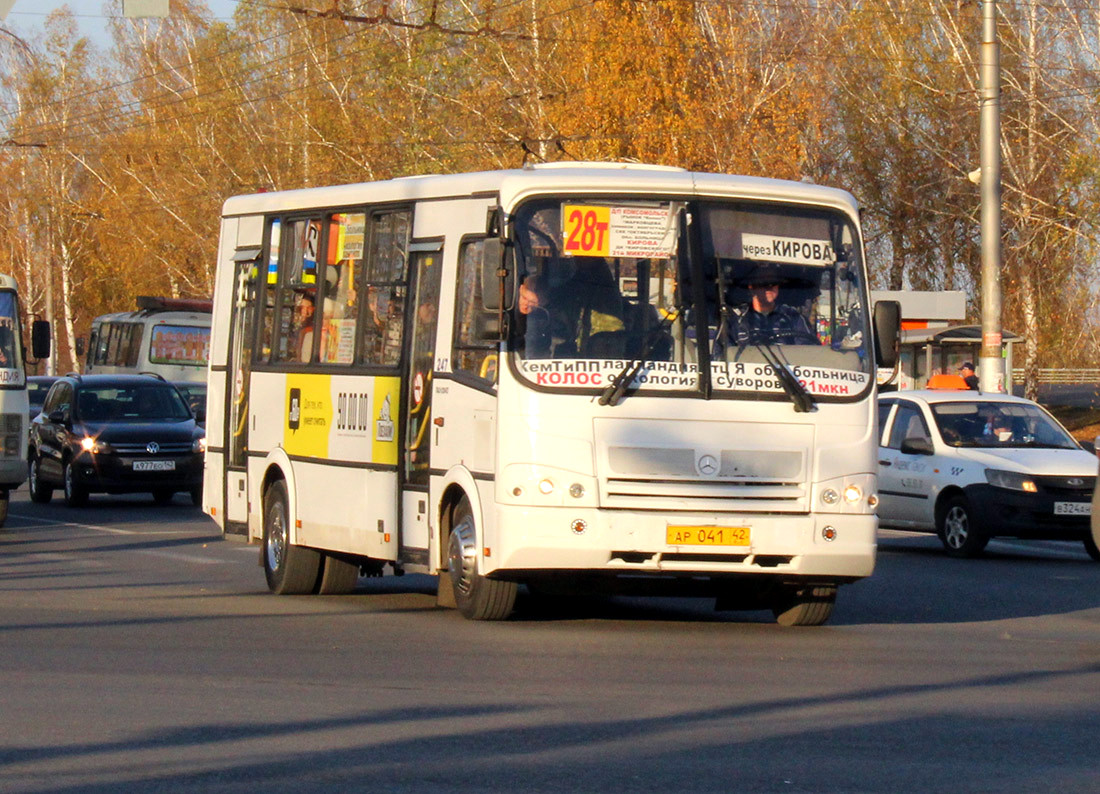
<point>829,496</point>
<point>546,486</point>
<point>852,494</point>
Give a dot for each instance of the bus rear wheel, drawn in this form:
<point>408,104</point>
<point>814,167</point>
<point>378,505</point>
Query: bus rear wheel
<point>289,569</point>
<point>477,598</point>
<point>338,577</point>
<point>804,605</point>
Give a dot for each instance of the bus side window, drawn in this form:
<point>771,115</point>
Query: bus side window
<point>385,283</point>
<point>339,303</point>
<point>471,355</point>
<point>298,290</point>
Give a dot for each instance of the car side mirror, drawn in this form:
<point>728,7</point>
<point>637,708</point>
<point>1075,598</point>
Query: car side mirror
<point>916,446</point>
<point>58,417</point>
<point>887,329</point>
<point>494,272</point>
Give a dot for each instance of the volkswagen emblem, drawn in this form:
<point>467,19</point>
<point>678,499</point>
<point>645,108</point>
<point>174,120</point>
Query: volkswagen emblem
<point>707,465</point>
<point>152,447</point>
<point>1075,481</point>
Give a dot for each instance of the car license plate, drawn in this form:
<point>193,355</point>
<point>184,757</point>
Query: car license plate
<point>708,536</point>
<point>1073,508</point>
<point>154,465</point>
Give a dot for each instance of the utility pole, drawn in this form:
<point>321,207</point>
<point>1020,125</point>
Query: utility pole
<point>991,363</point>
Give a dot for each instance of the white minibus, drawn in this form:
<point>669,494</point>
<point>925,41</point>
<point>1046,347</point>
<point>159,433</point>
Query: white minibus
<point>169,337</point>
<point>570,377</point>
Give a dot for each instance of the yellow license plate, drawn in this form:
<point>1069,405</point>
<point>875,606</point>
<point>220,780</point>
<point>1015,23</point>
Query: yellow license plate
<point>708,536</point>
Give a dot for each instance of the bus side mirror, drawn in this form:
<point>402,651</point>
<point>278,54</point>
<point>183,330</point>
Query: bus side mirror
<point>40,339</point>
<point>887,321</point>
<point>487,327</point>
<point>493,266</point>
<point>80,346</point>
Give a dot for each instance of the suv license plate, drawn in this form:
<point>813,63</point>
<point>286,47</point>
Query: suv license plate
<point>154,465</point>
<point>1073,508</point>
<point>708,536</point>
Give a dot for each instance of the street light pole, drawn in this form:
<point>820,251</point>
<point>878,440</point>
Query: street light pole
<point>991,365</point>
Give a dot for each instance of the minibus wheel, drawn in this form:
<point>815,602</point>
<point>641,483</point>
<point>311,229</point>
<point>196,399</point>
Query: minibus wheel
<point>290,569</point>
<point>804,605</point>
<point>476,597</point>
<point>338,577</point>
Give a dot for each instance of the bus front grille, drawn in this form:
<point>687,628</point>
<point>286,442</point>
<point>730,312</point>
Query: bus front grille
<point>705,495</point>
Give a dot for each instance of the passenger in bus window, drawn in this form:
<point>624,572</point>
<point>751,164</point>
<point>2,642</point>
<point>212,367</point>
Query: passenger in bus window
<point>539,326</point>
<point>303,326</point>
<point>764,320</point>
<point>7,347</point>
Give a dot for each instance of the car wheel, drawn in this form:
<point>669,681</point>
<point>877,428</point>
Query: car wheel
<point>804,605</point>
<point>289,569</point>
<point>40,492</point>
<point>76,495</point>
<point>163,496</point>
<point>338,577</point>
<point>958,529</point>
<point>1091,547</point>
<point>476,597</point>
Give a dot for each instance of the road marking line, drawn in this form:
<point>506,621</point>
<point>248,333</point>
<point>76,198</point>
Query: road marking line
<point>112,530</point>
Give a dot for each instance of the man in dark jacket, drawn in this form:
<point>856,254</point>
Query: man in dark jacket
<point>967,372</point>
<point>764,319</point>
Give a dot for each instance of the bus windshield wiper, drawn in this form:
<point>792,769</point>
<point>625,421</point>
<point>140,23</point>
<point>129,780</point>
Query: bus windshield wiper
<point>803,402</point>
<point>619,384</point>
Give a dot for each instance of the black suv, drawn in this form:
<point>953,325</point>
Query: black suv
<point>115,434</point>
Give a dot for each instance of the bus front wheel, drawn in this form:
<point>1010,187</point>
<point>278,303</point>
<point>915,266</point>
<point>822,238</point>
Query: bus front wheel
<point>804,605</point>
<point>290,569</point>
<point>477,598</point>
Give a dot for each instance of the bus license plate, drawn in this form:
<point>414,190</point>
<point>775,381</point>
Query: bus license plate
<point>1073,508</point>
<point>707,536</point>
<point>154,465</point>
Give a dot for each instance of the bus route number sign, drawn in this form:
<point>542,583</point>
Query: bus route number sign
<point>586,230</point>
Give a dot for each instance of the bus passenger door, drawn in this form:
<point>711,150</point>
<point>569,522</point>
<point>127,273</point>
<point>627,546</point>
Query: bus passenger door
<point>416,448</point>
<point>238,377</point>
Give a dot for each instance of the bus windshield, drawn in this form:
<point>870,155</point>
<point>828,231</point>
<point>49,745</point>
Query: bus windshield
<point>615,286</point>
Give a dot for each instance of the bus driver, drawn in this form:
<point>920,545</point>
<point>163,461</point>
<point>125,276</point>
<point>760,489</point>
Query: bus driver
<point>764,320</point>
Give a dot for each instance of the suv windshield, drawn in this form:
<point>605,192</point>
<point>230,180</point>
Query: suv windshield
<point>608,283</point>
<point>994,424</point>
<point>129,403</point>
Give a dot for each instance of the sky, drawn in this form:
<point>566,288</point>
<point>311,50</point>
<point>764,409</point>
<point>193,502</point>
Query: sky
<point>27,17</point>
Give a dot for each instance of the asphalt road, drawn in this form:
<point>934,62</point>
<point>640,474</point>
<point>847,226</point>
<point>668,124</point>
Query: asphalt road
<point>141,652</point>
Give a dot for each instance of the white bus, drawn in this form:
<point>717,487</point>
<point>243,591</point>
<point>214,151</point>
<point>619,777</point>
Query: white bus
<point>14,404</point>
<point>383,389</point>
<point>166,336</point>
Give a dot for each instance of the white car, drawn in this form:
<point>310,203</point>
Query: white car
<point>970,466</point>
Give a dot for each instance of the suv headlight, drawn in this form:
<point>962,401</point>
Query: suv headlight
<point>1012,480</point>
<point>199,445</point>
<point>94,445</point>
